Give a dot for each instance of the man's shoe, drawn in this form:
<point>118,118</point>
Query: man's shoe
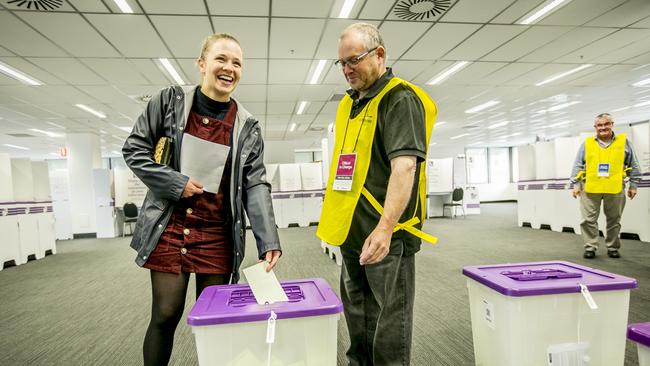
<point>589,254</point>
<point>613,254</point>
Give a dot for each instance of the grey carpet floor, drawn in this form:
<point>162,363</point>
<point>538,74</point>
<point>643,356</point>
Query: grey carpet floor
<point>89,304</point>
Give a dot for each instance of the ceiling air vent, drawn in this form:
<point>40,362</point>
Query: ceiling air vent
<point>37,4</point>
<point>420,9</point>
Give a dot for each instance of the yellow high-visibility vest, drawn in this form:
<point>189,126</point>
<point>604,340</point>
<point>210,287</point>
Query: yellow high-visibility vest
<point>338,206</point>
<point>614,155</point>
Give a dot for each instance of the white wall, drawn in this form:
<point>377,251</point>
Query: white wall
<point>282,152</point>
<point>6,182</point>
<point>497,191</point>
<point>84,156</point>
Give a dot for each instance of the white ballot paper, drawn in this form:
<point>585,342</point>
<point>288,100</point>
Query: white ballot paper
<point>265,285</point>
<point>203,161</point>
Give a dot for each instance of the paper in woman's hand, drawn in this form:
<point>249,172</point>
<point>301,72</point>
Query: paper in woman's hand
<point>203,161</point>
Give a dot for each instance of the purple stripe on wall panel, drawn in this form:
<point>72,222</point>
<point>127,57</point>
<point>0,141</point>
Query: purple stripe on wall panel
<point>535,187</point>
<point>473,205</point>
<point>521,187</point>
<point>49,209</point>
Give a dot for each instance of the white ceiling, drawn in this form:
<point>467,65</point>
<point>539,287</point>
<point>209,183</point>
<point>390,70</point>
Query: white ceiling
<point>88,52</point>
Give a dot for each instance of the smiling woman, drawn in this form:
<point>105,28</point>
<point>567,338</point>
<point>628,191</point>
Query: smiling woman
<point>192,220</point>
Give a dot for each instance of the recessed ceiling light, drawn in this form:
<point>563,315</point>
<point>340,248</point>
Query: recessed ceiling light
<point>346,8</point>
<point>483,106</point>
<point>642,104</point>
<point>558,124</point>
<point>542,11</point>
<point>124,6</point>
<point>167,65</point>
<point>643,82</point>
<point>16,147</point>
<point>621,109</point>
<point>293,127</point>
<point>317,72</point>
<point>459,136</point>
<point>445,74</point>
<point>48,133</point>
<point>564,74</point>
<point>18,75</point>
<point>302,106</point>
<point>441,123</point>
<point>90,110</point>
<point>498,124</point>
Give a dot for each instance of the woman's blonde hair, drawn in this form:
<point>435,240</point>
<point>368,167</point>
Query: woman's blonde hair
<point>213,38</point>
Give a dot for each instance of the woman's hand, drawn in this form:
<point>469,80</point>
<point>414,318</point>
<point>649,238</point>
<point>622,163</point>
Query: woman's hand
<point>271,258</point>
<point>191,188</point>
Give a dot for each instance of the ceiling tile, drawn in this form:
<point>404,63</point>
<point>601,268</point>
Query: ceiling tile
<point>408,70</point>
<point>301,8</point>
<point>69,70</point>
<point>116,71</point>
<point>474,73</point>
<point>609,44</point>
<point>32,69</point>
<point>625,54</point>
<point>439,40</point>
<point>241,7</point>
<point>288,71</point>
<point>183,34</point>
<point>516,11</point>
<point>77,37</point>
<point>284,93</point>
<point>86,6</point>
<point>569,42</point>
<point>526,42</point>
<point>399,36</point>
<point>131,34</point>
<point>174,7</point>
<point>508,73</point>
<point>283,108</point>
<point>252,34</point>
<point>376,9</point>
<point>287,43</point>
<point>250,93</point>
<point>578,12</point>
<point>624,15</point>
<point>23,40</point>
<point>475,11</point>
<point>188,69</point>
<point>644,23</point>
<point>328,46</point>
<point>484,41</point>
<point>254,72</point>
<point>149,69</point>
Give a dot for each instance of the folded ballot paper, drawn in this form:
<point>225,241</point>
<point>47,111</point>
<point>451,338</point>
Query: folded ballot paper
<point>265,286</point>
<point>203,161</point>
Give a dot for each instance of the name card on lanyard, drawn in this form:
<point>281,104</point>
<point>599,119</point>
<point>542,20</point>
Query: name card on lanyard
<point>344,172</point>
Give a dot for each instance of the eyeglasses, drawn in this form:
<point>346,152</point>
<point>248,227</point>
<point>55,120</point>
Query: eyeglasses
<point>601,125</point>
<point>352,61</point>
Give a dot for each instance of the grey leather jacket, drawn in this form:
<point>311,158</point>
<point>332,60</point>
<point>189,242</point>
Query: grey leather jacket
<point>166,115</point>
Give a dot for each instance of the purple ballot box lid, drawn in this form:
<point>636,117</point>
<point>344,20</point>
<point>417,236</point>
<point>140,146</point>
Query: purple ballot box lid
<point>639,333</point>
<point>226,304</point>
<point>545,278</point>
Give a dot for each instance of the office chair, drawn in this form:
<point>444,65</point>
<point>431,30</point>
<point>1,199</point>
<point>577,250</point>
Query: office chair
<point>456,201</point>
<point>130,216</point>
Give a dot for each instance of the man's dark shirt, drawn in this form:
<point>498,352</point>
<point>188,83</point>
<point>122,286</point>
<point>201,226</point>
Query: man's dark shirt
<point>401,131</point>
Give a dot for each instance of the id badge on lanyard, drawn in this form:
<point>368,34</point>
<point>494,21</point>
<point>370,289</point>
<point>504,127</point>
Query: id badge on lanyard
<point>344,172</point>
<point>603,169</point>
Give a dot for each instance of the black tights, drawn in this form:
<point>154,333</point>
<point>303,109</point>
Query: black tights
<point>169,291</point>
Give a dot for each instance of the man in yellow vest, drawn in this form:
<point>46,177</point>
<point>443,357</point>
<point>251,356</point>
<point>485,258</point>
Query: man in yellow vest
<point>602,163</point>
<point>374,201</point>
